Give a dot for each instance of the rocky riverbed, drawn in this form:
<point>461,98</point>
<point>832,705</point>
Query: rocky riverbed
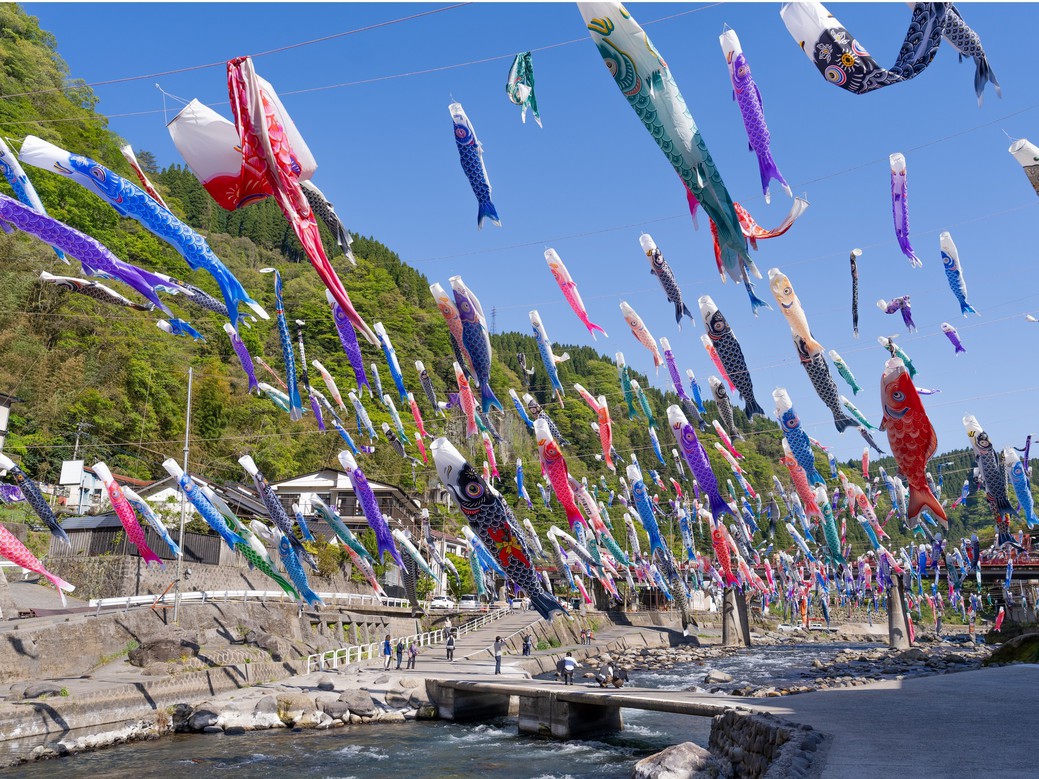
<point>823,667</point>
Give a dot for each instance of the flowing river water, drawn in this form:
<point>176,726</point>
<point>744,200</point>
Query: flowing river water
<point>440,750</point>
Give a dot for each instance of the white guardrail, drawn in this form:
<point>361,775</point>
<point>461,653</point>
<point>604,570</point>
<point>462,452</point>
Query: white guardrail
<point>333,658</point>
<point>263,596</point>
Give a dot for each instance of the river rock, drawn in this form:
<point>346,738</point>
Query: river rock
<point>268,704</point>
<point>682,761</point>
<point>202,718</point>
<point>359,702</point>
<point>717,677</point>
<point>293,706</point>
<point>913,655</point>
<point>398,699</point>
<point>325,684</point>
<point>336,709</point>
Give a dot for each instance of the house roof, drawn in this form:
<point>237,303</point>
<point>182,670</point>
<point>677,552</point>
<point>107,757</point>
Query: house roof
<point>121,479</point>
<point>91,522</point>
<point>334,479</point>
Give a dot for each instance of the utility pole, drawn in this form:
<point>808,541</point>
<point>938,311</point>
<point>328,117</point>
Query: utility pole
<point>183,503</point>
<point>75,453</point>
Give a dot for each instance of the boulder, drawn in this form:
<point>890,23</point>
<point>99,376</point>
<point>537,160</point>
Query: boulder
<point>1020,649</point>
<point>359,702</point>
<point>397,699</point>
<point>268,704</point>
<point>335,709</point>
<point>682,761</point>
<point>202,718</point>
<point>163,650</point>
<point>325,684</point>
<point>292,706</point>
<point>41,690</point>
<point>717,677</point>
<point>426,711</point>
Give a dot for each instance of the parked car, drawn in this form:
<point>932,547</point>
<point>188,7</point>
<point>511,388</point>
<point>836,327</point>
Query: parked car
<point>441,602</point>
<point>468,602</point>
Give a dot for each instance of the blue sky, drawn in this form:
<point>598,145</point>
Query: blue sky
<point>592,180</point>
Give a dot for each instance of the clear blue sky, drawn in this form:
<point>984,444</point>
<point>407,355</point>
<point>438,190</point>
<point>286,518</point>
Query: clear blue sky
<point>592,179</point>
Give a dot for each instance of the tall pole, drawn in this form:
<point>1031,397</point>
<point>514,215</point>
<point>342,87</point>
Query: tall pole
<point>183,504</point>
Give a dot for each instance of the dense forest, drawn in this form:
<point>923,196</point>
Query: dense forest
<point>113,376</point>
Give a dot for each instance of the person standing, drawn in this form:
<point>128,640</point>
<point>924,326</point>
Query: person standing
<point>451,647</point>
<point>569,666</point>
<point>584,636</point>
<point>400,652</point>
<point>499,647</point>
<point>527,645</point>
<point>412,654</point>
<point>591,636</point>
<point>387,652</point>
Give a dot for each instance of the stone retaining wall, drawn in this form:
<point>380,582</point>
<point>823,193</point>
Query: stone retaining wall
<point>82,642</point>
<point>760,746</point>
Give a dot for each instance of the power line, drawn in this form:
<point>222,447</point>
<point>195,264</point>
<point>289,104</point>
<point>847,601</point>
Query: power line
<point>223,63</point>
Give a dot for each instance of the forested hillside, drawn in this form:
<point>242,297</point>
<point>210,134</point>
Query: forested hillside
<point>76,362</point>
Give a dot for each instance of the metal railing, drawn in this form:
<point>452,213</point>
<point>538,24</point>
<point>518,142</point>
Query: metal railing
<point>345,655</point>
<point>224,596</point>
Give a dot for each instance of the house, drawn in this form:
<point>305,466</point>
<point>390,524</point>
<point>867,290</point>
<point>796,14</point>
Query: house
<point>335,489</point>
<point>90,493</point>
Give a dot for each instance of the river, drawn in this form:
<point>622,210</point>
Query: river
<point>438,750</point>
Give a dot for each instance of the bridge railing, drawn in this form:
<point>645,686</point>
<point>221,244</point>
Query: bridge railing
<point>224,596</point>
<point>345,655</point>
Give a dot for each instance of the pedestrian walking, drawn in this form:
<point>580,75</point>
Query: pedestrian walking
<point>400,652</point>
<point>412,654</point>
<point>387,652</point>
<point>499,646</point>
<point>451,647</point>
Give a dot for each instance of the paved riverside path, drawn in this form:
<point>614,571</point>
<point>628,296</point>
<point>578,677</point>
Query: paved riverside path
<point>969,724</point>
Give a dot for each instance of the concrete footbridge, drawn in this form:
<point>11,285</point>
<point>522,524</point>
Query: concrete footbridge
<point>550,709</point>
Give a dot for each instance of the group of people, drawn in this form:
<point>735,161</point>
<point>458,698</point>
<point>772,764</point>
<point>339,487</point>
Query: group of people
<point>388,650</point>
<point>608,674</point>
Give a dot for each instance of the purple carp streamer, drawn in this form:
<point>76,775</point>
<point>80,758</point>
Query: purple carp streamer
<point>747,95</point>
<point>96,259</point>
<point>348,338</point>
<point>243,355</point>
<point>844,61</point>
<point>900,208</point>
